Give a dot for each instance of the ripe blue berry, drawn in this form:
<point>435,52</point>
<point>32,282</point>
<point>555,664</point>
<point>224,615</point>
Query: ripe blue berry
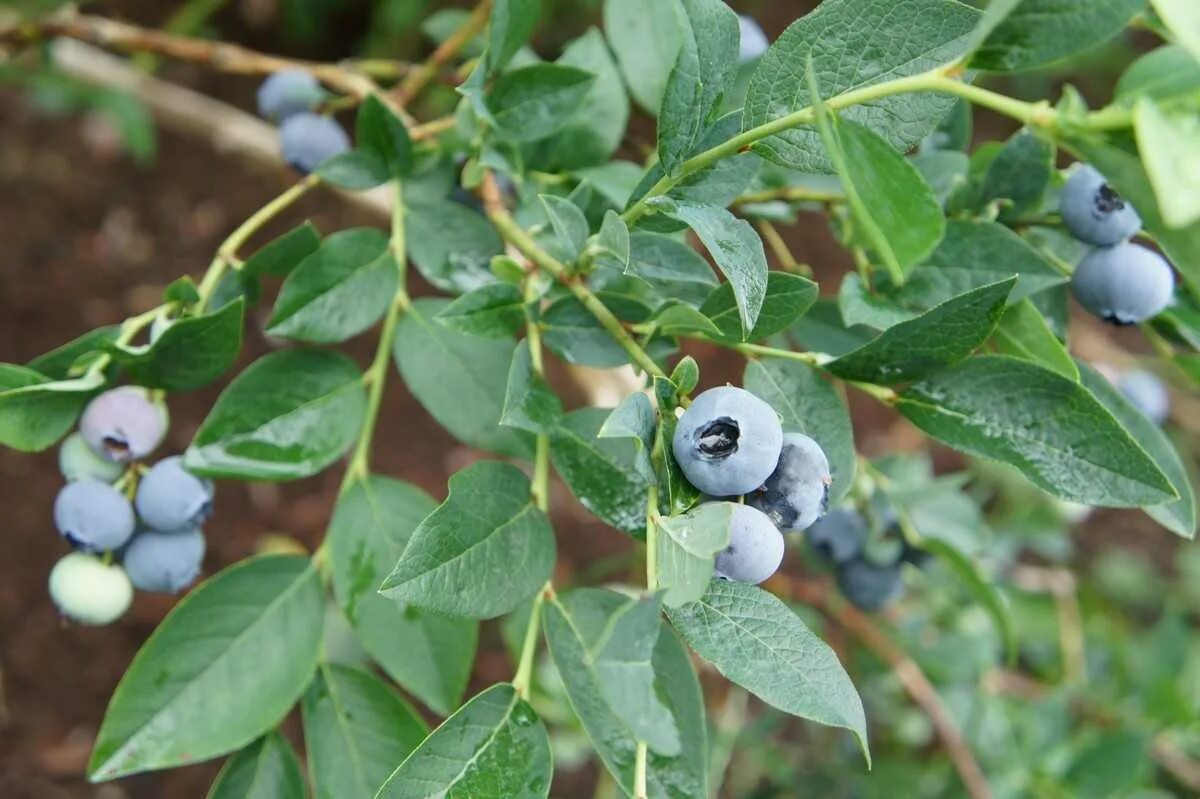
<point>89,591</point>
<point>797,492</point>
<point>839,537</point>
<point>93,516</point>
<point>308,140</point>
<point>123,425</point>
<point>1093,212</point>
<point>78,461</point>
<point>164,562</point>
<point>728,442</point>
<point>170,497</point>
<point>1125,284</point>
<point>287,93</point>
<point>868,586</point>
<point>755,548</point>
<point>1146,393</point>
<point>753,41</point>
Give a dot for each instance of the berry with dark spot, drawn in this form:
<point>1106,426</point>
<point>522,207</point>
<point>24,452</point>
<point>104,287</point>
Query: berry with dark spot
<point>728,442</point>
<point>1093,212</point>
<point>123,424</point>
<point>170,497</point>
<point>93,516</point>
<point>797,492</point>
<point>755,548</point>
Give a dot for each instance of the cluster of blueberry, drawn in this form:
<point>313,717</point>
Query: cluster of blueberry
<point>1121,282</point>
<point>868,571</point>
<point>156,536</point>
<point>730,444</point>
<point>306,139</point>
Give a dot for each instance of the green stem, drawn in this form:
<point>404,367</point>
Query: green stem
<point>376,375</point>
<point>541,458</point>
<point>810,358</point>
<point>516,235</point>
<point>790,194</point>
<point>227,253</point>
<point>523,680</point>
<point>639,771</point>
<point>652,538</point>
<point>936,80</point>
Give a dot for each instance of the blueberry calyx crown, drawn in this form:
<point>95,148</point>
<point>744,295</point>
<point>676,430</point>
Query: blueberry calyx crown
<point>1107,200</point>
<point>116,445</point>
<point>719,438</point>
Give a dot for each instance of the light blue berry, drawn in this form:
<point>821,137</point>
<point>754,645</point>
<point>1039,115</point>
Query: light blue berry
<point>1125,284</point>
<point>308,140</point>
<point>1093,212</point>
<point>170,497</point>
<point>755,548</point>
<point>164,562</point>
<point>78,461</point>
<point>1146,393</point>
<point>123,424</point>
<point>727,442</point>
<point>797,492</point>
<point>287,93</point>
<point>93,516</point>
<point>753,41</point>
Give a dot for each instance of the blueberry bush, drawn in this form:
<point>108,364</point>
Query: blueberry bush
<point>551,235</point>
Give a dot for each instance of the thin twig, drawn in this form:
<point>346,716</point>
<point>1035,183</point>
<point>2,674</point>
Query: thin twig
<point>420,76</point>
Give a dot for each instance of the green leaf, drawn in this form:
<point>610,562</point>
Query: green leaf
<point>451,245</point>
<point>287,416</point>
<point>622,662</point>
<point>380,132</point>
<point>571,331</point>
<point>895,209</point>
<point>569,224</point>
<point>594,133</point>
<point>1166,73</point>
<point>1024,333</point>
<point>759,643</point>
<point>852,44</point>
<point>787,298</point>
<point>1019,174</point>
<point>198,687</point>
<point>64,361</point>
<point>1051,428</point>
<point>429,654</point>
<point>807,403</point>
<point>266,769</point>
<point>190,354</point>
<point>687,545</point>
<point>575,625</point>
<point>339,291</point>
<point>704,65</point>
<point>612,244</point>
<point>938,338</point>
<point>493,746</point>
<point>460,379</point>
<point>495,310</point>
<point>281,256</point>
<point>534,102</point>
<point>602,473</point>
<point>671,267</point>
<point>736,249</point>
<point>1169,142</point>
<point>985,591</point>
<point>509,27</point>
<point>1182,18</point>
<point>36,411</point>
<point>356,729</point>
<point>718,184</point>
<point>354,170</point>
<point>481,552</point>
<point>1040,32</point>
<point>635,419</point>
<point>1178,516</point>
<point>182,291</point>
<point>529,403</point>
<point>646,38</point>
<point>1127,175</point>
